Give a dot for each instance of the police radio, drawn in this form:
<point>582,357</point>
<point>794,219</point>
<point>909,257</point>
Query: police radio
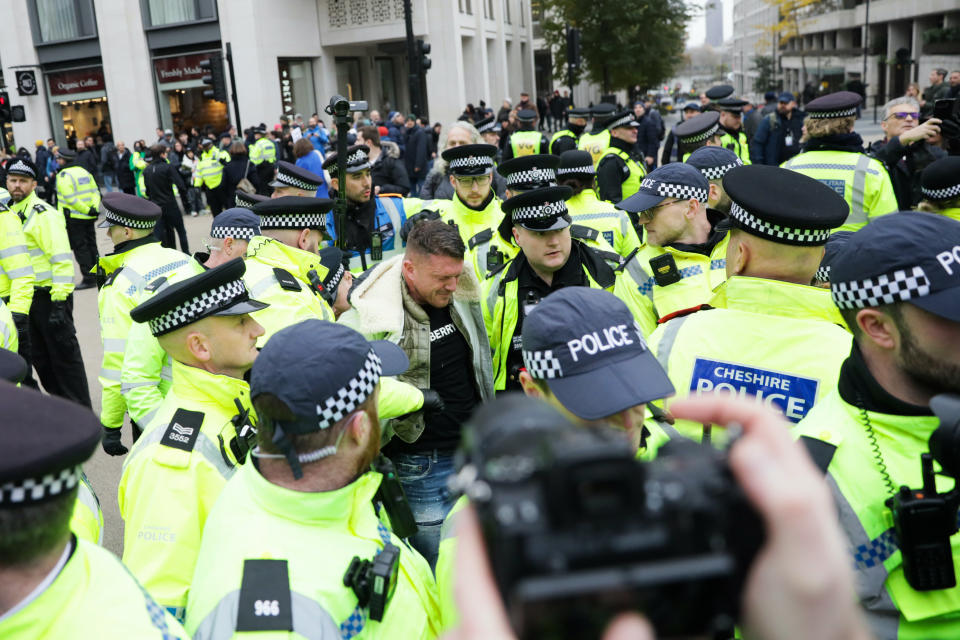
<point>390,494</point>
<point>925,520</point>
<point>376,246</point>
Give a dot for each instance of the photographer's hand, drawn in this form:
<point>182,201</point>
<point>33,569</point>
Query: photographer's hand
<point>921,131</point>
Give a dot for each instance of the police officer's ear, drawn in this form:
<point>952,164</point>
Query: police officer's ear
<point>359,429</point>
<point>738,254</point>
<point>879,327</point>
<point>453,181</point>
<point>714,196</point>
<point>334,182</point>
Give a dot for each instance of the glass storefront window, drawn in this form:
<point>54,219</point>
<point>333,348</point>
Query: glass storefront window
<point>78,104</point>
<point>179,81</point>
<point>388,83</point>
<point>296,87</point>
<point>349,82</point>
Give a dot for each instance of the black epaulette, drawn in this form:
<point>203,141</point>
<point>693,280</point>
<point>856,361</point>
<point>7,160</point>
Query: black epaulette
<point>480,238</point>
<point>183,430</point>
<point>581,232</point>
<point>820,452</point>
<point>265,602</point>
<point>110,278</point>
<point>286,280</point>
<point>39,208</point>
<point>156,284</point>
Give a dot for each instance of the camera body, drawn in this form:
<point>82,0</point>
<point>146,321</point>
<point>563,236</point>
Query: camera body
<point>948,111</point>
<point>578,530</point>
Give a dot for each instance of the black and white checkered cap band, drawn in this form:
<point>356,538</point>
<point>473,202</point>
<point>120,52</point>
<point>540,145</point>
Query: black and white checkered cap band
<point>698,137</point>
<point>674,190</point>
<point>116,218</point>
<point>471,162</point>
<point>898,286</point>
<point>346,400</point>
<point>941,194</point>
<point>244,200</point>
<point>486,127</point>
<point>586,169</point>
<point>294,181</point>
<point>625,120</point>
<point>357,157</point>
<point>542,365</point>
<point>823,274</point>
<point>38,489</point>
<point>537,175</point>
<point>840,113</point>
<point>294,221</point>
<point>334,281</point>
<point>715,173</point>
<point>540,211</point>
<point>20,167</point>
<point>239,233</point>
<point>198,307</point>
<point>776,232</point>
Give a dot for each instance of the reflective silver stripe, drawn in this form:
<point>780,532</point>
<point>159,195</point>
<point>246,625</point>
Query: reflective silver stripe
<point>61,257</point>
<point>449,527</point>
<point>35,252</point>
<point>261,286</point>
<point>147,417</point>
<point>62,279</point>
<point>391,208</point>
<point>668,429</point>
<point>579,217</point>
<point>166,373</point>
<point>13,250</point>
<point>5,331</point>
<point>493,295</point>
<point>114,344</point>
<point>829,167</point>
<point>110,374</point>
<point>88,498</point>
<point>310,619</point>
<point>130,386</point>
<point>42,275</point>
<point>858,192</point>
<point>205,446</point>
<point>22,272</point>
<point>640,277</point>
<point>665,346</point>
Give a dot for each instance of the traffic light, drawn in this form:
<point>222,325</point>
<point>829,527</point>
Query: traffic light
<point>213,76</point>
<point>573,47</point>
<point>423,48</point>
<point>4,106</point>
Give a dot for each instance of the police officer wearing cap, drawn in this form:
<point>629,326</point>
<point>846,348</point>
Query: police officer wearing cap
<point>373,223</point>
<point>209,176</point>
<point>54,350</point>
<point>525,140</point>
<point>670,147</point>
<point>566,139</point>
<point>489,130</point>
<point>576,171</point>
<point>292,180</point>
<point>263,155</point>
<point>766,332</point>
<point>52,579</point>
<point>833,154</point>
<point>713,163</point>
<point>620,168</point>
<point>731,125</point>
<point>230,235</point>
<point>940,186</point>
<point>137,267</point>
<point>248,200</point>
<point>549,259</point>
<point>78,199</point>
<point>16,280</point>
<point>716,93</point>
<point>836,245</point>
<point>338,281</point>
<point>598,138</point>
<point>683,255</point>
<point>201,431</point>
<point>699,131</point>
<point>309,500</point>
<point>896,285</point>
<point>475,207</point>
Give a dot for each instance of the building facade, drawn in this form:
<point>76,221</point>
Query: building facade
<point>752,20</point>
<point>714,23</point>
<point>129,66</point>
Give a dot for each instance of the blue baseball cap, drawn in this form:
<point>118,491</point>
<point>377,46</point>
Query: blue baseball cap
<point>675,180</point>
<point>836,244</point>
<point>786,96</point>
<point>901,257</point>
<point>587,347</point>
<point>714,162</point>
<point>239,222</point>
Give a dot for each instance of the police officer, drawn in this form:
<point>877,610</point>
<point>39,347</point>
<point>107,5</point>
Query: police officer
<point>731,125</point>
<point>715,94</point>
<point>836,245</point>
<point>670,147</point>
<point>338,281</point>
<point>566,139</point>
<point>896,285</point>
<point>263,155</point>
<point>318,464</point>
<point>598,138</point>
<point>209,176</point>
<point>78,199</point>
<point>54,348</point>
<point>833,154</point>
<point>699,131</point>
<point>137,267</point>
<point>248,200</point>
<point>58,579</point>
<point>489,130</point>
<point>16,279</point>
<point>549,259</point>
<point>163,183</point>
<point>201,432</point>
<point>292,180</point>
<point>713,163</point>
<point>230,235</point>
<point>683,255</point>
<point>620,169</point>
<point>576,171</point>
<point>474,207</point>
<point>767,333</point>
<point>373,223</point>
<point>525,140</point>
<point>940,186</point>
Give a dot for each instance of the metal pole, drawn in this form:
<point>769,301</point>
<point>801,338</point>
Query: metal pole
<point>233,88</point>
<point>413,63</point>
<point>866,51</point>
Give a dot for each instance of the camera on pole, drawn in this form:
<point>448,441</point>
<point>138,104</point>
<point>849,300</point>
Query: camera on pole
<point>214,77</point>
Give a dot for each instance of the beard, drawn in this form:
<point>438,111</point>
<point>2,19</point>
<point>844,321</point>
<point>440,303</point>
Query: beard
<point>933,373</point>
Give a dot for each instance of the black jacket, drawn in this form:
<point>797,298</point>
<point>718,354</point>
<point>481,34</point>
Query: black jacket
<point>125,177</point>
<point>415,154</point>
<point>233,173</point>
<point>88,160</point>
<point>389,173</point>
<point>159,179</point>
<point>905,164</point>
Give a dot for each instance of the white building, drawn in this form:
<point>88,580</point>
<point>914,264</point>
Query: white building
<point>750,19</point>
<point>133,65</point>
<point>714,23</point>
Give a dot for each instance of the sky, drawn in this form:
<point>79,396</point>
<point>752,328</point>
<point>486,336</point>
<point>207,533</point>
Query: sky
<point>696,30</point>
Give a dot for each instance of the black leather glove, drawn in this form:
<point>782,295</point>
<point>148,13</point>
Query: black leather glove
<point>432,402</point>
<point>111,442</point>
<point>93,212</point>
<point>58,313</point>
<point>22,321</point>
<point>422,216</point>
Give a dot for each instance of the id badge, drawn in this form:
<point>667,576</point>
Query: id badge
<point>788,140</point>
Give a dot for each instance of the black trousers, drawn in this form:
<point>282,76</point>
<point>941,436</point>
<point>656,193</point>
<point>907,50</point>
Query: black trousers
<point>169,226</point>
<point>83,241</point>
<point>56,352</point>
<point>216,199</point>
<point>265,171</point>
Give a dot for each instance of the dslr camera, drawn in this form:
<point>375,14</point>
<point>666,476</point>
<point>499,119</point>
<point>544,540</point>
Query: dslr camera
<point>948,111</point>
<point>578,530</point>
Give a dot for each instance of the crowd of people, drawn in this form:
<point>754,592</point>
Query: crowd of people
<point>290,402</point>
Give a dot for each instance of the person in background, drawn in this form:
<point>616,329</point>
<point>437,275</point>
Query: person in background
<point>778,134</point>
<point>913,91</point>
<point>416,154</point>
<point>188,164</point>
<point>108,163</point>
<point>938,90</point>
<point>387,170</point>
<point>125,178</point>
<point>312,160</point>
<point>238,168</point>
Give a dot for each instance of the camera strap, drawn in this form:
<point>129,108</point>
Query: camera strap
<point>355,622</point>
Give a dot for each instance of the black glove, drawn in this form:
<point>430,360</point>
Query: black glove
<point>432,402</point>
<point>111,442</point>
<point>93,212</point>
<point>22,321</point>
<point>58,313</point>
<point>426,214</point>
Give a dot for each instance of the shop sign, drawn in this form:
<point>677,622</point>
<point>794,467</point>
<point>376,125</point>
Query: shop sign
<point>64,83</point>
<point>286,87</point>
<point>26,83</point>
<point>179,68</point>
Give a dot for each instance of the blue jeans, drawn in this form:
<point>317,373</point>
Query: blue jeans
<point>424,481</point>
<point>110,182</point>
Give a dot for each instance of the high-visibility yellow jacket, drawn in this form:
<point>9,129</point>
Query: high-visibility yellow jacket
<point>8,329</point>
<point>738,144</point>
<point>209,173</point>
<point>263,150</point>
<point>614,225</point>
<point>16,269</point>
<point>87,519</point>
<point>633,172</point>
<point>469,221</point>
<point>595,144</point>
<point>46,233</point>
<point>78,195</point>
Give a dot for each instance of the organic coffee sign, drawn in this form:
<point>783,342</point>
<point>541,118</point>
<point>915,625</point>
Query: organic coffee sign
<point>65,83</point>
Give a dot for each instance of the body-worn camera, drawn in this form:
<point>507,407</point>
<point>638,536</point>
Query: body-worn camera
<point>374,581</point>
<point>578,530</point>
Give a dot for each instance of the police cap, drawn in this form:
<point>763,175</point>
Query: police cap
<point>237,222</point>
<point>623,118</point>
<point>576,162</point>
<point>841,104</point>
<point>67,154</point>
<point>578,112</point>
<point>290,175</point>
<point>732,105</point>
<point>470,159</point>
<point>674,180</point>
<point>587,347</point>
<point>698,128</point>
<point>293,212</point>
<point>206,142</point>
<point>488,125</point>
<point>941,179</point>
<point>692,106</point>
<point>602,109</point>
<point>524,173</point>
<point>332,260</point>
<point>714,162</point>
<point>13,368</point>
<point>836,244</point>
<point>46,439</point>
<point>782,205</point>
<point>127,210</point>
<point>719,92</point>
<point>21,166</point>
<point>358,159</point>
<point>216,292</point>
<point>901,257</point>
<point>542,209</point>
<point>248,200</point>
<point>526,115</point>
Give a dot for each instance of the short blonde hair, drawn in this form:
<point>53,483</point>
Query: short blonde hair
<point>822,127</point>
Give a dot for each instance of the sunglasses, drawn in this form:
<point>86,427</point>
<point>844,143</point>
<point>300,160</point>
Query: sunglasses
<point>903,115</point>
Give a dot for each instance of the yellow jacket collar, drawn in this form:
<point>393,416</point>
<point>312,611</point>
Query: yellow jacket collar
<point>773,297</point>
<point>275,253</point>
<point>207,388</point>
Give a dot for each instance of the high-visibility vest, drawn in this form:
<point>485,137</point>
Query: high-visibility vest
<point>525,143</point>
<point>737,144</point>
<point>614,225</point>
<point>563,133</point>
<point>16,267</point>
<point>631,184</point>
<point>594,144</point>
<point>46,233</point>
<point>263,150</point>
<point>77,193</point>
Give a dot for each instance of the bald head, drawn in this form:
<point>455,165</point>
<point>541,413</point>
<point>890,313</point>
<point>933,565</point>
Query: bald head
<point>750,255</point>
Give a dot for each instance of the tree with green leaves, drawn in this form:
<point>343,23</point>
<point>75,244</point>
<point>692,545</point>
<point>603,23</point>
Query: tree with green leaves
<point>764,81</point>
<point>622,44</point>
